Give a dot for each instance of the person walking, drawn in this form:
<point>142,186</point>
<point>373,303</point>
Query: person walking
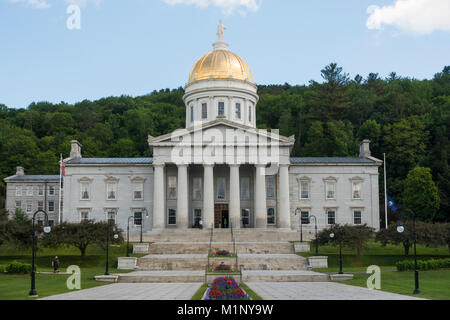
<point>55,264</point>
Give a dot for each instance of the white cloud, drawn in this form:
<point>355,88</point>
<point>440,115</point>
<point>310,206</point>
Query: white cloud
<point>415,16</point>
<point>36,4</point>
<point>227,6</point>
<point>83,3</point>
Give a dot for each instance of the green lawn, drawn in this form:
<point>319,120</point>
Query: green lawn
<point>433,284</point>
<point>384,257</point>
<point>16,287</point>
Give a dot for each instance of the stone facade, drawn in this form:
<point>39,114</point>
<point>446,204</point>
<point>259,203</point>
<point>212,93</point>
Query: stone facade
<point>32,192</point>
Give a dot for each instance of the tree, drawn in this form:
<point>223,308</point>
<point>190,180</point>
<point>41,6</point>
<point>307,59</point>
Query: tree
<point>355,237</point>
<point>405,238</point>
<point>3,224</point>
<point>80,235</point>
<point>19,230</point>
<point>421,194</point>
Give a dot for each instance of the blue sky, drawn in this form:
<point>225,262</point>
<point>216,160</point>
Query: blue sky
<point>133,47</point>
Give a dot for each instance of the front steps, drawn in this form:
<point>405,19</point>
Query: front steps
<point>199,276</point>
<point>182,256</point>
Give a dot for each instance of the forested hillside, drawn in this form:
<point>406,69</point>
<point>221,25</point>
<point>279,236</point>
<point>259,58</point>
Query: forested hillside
<point>407,119</point>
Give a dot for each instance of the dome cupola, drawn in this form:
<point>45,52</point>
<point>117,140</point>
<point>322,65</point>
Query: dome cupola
<point>221,85</point>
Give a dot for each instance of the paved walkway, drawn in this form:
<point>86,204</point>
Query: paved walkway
<point>319,291</point>
<point>133,291</point>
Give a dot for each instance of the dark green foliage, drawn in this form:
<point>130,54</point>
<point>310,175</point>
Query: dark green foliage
<point>81,235</point>
<point>408,119</point>
<point>431,264</point>
<point>18,268</point>
<point>355,237</point>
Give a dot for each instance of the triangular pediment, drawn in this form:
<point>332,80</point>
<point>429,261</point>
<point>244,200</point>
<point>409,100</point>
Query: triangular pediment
<point>227,130</point>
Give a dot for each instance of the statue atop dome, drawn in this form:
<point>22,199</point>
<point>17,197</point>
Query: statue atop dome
<point>220,31</point>
<point>220,44</point>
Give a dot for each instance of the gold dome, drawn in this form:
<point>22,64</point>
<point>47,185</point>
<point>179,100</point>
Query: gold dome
<point>220,64</point>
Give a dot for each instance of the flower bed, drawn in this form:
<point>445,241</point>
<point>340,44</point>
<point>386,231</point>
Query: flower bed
<point>223,267</point>
<point>225,288</point>
<point>222,253</point>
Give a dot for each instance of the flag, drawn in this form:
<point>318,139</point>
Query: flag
<point>391,204</point>
<point>63,169</point>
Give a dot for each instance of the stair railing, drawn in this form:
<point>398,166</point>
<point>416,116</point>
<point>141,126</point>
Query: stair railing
<point>210,243</point>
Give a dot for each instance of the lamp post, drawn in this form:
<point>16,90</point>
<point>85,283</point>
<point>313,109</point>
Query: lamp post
<point>47,229</point>
<point>315,228</point>
<point>142,220</point>
<point>301,225</point>
<point>401,229</point>
<point>339,239</point>
<point>107,248</point>
<point>128,235</point>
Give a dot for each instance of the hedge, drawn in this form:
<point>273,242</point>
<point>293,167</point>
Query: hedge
<point>18,268</point>
<point>431,264</point>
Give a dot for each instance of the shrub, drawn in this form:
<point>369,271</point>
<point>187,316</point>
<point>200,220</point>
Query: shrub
<point>2,269</point>
<point>18,268</point>
<point>432,264</point>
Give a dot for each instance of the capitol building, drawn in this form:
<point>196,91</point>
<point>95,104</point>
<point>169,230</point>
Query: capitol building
<point>220,170</point>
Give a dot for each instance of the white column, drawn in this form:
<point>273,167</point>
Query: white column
<point>235,196</point>
<point>260,197</point>
<point>158,197</point>
<point>284,220</point>
<point>208,196</point>
<point>182,197</point>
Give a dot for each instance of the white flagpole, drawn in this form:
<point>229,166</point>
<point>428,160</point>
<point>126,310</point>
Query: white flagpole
<point>385,193</point>
<point>60,189</point>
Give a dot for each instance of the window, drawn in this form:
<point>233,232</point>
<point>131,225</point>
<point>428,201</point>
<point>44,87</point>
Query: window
<point>51,223</point>
<point>197,217</point>
<point>305,217</point>
<point>221,109</point>
<point>111,216</point>
<point>197,189</point>
<point>357,217</point>
<point>245,188</point>
<point>304,189</point>
<point>137,218</point>
<point>331,215</point>
<point>270,215</point>
<point>29,191</point>
<point>204,111</point>
<point>84,216</point>
<point>51,190</point>
<point>356,189</point>
<point>29,206</point>
<point>51,206</point>
<point>172,187</point>
<point>138,193</point>
<point>245,217</point>
<point>250,113</point>
<point>238,111</point>
<point>221,186</point>
<point>85,191</point>
<point>18,191</point>
<point>40,205</point>
<point>18,204</point>
<point>330,189</point>
<point>111,190</point>
<point>270,186</point>
<point>172,217</point>
<point>40,190</point>
<point>192,114</point>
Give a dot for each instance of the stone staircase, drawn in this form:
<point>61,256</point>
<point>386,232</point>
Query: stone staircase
<point>182,256</point>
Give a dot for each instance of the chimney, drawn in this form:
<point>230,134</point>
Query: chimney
<point>75,151</point>
<point>20,171</point>
<point>364,149</point>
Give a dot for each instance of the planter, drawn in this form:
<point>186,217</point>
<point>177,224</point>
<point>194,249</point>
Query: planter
<point>225,288</point>
<point>301,247</point>
<point>126,263</point>
<point>318,262</point>
<point>140,248</point>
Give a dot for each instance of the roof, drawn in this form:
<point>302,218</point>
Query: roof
<point>332,160</point>
<point>118,161</point>
<point>36,178</point>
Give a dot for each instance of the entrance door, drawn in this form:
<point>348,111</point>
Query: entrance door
<point>221,214</point>
<point>225,219</point>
